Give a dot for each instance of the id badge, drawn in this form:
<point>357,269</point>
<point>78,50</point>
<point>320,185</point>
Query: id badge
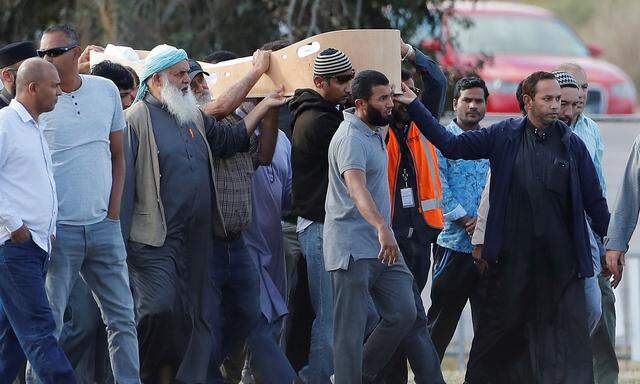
<point>407,197</point>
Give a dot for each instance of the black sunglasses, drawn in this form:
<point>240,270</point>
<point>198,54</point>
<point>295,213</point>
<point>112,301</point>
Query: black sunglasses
<point>342,78</point>
<point>55,52</point>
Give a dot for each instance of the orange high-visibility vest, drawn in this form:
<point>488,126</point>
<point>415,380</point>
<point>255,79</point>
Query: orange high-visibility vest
<point>425,164</point>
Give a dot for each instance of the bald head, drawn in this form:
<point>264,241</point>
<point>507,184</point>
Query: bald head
<point>37,86</point>
<point>34,70</point>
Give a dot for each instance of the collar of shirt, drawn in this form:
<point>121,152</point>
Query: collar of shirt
<point>579,120</point>
<point>350,116</point>
<point>149,98</point>
<point>22,112</point>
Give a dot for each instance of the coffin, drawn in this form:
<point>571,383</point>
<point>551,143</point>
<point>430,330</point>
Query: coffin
<point>292,66</point>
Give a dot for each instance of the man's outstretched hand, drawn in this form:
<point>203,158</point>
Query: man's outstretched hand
<point>406,97</point>
<point>276,98</point>
<point>84,61</point>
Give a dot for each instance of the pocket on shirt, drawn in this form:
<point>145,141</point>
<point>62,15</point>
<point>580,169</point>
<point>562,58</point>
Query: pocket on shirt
<point>558,177</point>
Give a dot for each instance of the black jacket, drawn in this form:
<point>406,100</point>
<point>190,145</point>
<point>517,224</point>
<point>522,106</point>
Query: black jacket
<point>315,120</point>
<point>500,143</point>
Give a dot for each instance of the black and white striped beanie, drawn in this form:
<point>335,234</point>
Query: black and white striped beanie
<point>330,62</point>
<point>565,79</point>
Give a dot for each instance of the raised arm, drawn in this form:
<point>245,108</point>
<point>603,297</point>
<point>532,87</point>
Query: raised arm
<point>433,80</point>
<point>268,137</point>
<point>225,104</point>
<point>225,140</point>
<point>470,145</point>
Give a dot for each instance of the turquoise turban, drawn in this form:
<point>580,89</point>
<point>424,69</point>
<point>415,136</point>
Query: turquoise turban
<point>160,58</point>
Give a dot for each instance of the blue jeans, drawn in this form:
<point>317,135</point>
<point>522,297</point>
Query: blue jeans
<point>237,299</point>
<point>320,366</point>
<point>592,288</point>
<point>267,358</point>
<point>26,324</point>
<point>83,337</point>
<point>97,252</point>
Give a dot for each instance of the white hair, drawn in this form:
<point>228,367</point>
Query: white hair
<point>203,98</point>
<point>182,106</point>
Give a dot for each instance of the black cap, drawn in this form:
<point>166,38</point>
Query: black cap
<point>16,52</point>
<point>195,69</point>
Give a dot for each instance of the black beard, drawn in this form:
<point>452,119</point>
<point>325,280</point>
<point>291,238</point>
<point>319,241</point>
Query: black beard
<point>375,117</point>
<point>400,116</point>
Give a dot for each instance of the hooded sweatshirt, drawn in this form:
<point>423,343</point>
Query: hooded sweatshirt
<point>315,120</point>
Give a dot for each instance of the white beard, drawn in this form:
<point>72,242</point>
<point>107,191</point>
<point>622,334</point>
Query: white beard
<point>203,98</point>
<point>182,107</point>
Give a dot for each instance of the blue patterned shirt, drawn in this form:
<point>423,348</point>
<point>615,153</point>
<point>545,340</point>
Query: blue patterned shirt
<point>462,185</point>
<point>589,132</point>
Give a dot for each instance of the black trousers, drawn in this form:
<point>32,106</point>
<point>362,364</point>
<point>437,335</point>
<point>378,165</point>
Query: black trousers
<point>454,282</point>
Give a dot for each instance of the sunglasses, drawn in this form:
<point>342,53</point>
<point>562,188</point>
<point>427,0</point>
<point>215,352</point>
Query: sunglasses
<point>55,52</point>
<point>342,78</point>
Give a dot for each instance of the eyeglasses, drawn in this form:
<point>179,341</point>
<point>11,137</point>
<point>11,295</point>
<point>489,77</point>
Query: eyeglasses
<point>55,52</point>
<point>342,78</point>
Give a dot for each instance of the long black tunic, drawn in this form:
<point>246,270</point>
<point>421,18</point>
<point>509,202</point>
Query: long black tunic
<point>172,290</point>
<point>532,326</point>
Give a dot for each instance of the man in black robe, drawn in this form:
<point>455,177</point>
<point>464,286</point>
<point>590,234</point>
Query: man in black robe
<point>532,321</point>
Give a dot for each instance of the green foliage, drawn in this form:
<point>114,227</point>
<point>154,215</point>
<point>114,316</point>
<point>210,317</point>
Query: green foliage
<point>201,26</point>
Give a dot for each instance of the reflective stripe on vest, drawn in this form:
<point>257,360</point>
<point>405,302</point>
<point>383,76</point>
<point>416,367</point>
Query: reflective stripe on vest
<point>434,173</point>
<point>429,189</point>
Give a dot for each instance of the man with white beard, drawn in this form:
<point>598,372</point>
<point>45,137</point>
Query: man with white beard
<point>171,214</point>
<point>198,83</point>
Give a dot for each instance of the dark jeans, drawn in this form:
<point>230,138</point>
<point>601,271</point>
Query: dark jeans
<point>267,362</point>
<point>416,346</point>
<point>26,322</point>
<point>390,289</point>
<point>237,299</point>
<point>454,282</point>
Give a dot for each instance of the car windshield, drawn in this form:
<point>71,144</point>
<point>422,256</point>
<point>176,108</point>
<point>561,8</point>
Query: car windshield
<point>516,34</point>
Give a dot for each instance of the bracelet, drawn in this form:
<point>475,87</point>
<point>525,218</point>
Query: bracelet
<point>409,52</point>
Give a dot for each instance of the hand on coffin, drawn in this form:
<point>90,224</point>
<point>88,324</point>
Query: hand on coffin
<point>406,97</point>
<point>407,51</point>
<point>84,65</point>
<point>277,98</point>
<point>261,60</point>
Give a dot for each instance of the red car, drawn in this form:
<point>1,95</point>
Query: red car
<point>521,39</point>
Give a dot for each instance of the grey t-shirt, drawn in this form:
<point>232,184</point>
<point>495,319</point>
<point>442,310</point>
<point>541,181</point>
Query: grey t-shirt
<point>77,131</point>
<point>346,233</point>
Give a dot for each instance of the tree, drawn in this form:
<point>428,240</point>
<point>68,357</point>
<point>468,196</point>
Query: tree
<point>201,26</point>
